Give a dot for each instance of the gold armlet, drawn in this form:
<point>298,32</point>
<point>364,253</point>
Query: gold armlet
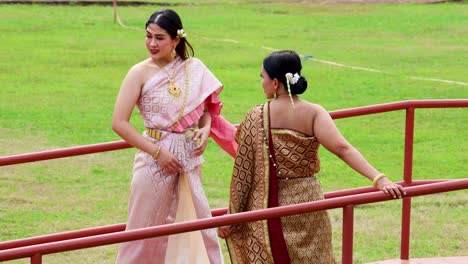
<point>376,179</point>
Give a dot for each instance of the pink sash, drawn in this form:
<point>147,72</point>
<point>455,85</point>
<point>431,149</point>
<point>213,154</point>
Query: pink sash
<point>160,109</point>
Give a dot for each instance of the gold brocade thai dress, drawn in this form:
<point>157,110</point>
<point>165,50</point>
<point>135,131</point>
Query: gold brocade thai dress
<point>276,167</point>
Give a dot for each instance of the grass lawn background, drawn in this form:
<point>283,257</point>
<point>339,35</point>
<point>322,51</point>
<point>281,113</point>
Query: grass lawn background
<point>61,68</point>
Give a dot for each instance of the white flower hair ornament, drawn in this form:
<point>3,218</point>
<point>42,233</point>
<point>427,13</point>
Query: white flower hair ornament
<point>291,79</point>
<point>181,33</point>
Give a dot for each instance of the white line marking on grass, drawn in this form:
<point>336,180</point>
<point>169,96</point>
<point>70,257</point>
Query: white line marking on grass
<point>222,40</point>
<point>347,66</point>
<point>268,48</point>
<point>438,80</point>
<point>230,40</point>
<point>318,60</point>
<point>351,66</point>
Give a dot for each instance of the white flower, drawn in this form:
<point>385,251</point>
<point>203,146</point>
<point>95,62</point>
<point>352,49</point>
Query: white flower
<point>181,33</point>
<point>292,79</point>
<point>295,78</point>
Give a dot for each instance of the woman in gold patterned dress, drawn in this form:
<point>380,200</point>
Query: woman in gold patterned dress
<point>276,164</point>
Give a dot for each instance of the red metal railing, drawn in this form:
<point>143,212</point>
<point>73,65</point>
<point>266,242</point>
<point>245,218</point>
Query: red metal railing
<point>409,105</point>
<point>36,247</point>
<point>36,251</point>
<point>121,227</point>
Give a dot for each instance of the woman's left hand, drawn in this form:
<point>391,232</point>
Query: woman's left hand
<point>224,231</point>
<point>201,134</point>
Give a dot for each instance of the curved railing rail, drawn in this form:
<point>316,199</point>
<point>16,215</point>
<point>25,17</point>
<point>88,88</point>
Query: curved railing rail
<point>36,247</point>
<point>35,252</point>
<point>117,145</point>
<point>121,227</point>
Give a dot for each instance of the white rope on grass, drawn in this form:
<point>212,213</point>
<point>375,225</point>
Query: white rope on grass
<point>373,70</point>
<point>348,66</point>
<point>119,21</point>
<point>438,80</point>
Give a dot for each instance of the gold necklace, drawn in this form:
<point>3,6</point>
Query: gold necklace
<point>181,113</point>
<point>172,88</point>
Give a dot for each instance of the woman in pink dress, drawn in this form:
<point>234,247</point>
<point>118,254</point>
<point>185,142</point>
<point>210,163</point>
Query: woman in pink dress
<point>177,96</point>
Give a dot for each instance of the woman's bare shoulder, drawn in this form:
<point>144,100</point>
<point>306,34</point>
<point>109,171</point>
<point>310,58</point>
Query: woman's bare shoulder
<point>313,107</point>
<point>144,65</point>
<point>143,70</point>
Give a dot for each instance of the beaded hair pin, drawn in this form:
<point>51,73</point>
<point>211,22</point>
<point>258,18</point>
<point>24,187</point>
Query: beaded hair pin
<point>291,79</point>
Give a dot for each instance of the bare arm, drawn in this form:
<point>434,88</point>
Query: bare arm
<point>126,101</point>
<point>328,135</point>
<point>205,120</point>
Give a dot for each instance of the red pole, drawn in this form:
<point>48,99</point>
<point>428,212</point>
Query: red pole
<point>409,140</point>
<point>348,230</point>
<point>405,228</point>
<point>64,152</point>
<point>407,174</point>
<point>36,258</point>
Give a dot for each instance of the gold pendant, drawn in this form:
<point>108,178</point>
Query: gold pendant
<point>173,89</point>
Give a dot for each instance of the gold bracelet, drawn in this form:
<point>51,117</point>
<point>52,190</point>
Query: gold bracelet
<point>156,155</point>
<point>376,179</point>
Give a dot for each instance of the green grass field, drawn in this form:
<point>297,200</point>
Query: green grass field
<point>61,68</point>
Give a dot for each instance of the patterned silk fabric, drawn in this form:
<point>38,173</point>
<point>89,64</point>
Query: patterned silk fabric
<point>308,236</point>
<point>296,154</point>
<point>160,109</point>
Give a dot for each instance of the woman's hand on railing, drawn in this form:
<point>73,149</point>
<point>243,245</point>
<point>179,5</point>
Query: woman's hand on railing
<point>224,231</point>
<point>387,186</point>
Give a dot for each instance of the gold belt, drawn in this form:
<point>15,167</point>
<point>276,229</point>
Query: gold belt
<point>157,134</point>
<point>154,133</point>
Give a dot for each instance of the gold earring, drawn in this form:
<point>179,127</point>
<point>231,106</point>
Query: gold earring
<point>274,96</point>
<point>173,53</point>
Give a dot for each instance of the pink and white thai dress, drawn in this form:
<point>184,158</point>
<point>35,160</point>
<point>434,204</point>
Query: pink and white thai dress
<point>157,198</point>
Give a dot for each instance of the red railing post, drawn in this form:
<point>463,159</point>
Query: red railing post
<point>408,179</point>
<point>409,140</point>
<point>348,232</point>
<point>405,228</point>
<point>36,258</point>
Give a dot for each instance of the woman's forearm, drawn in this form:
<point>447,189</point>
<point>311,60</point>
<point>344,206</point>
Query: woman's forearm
<point>128,133</point>
<point>205,120</point>
<point>351,156</point>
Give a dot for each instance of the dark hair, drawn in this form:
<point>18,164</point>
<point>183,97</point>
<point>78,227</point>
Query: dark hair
<point>278,63</point>
<point>170,21</point>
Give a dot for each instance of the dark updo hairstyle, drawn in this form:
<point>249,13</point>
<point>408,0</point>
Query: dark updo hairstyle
<point>278,63</point>
<point>170,21</point>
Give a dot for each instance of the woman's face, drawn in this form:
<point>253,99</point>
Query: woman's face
<point>160,44</point>
<point>268,84</point>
